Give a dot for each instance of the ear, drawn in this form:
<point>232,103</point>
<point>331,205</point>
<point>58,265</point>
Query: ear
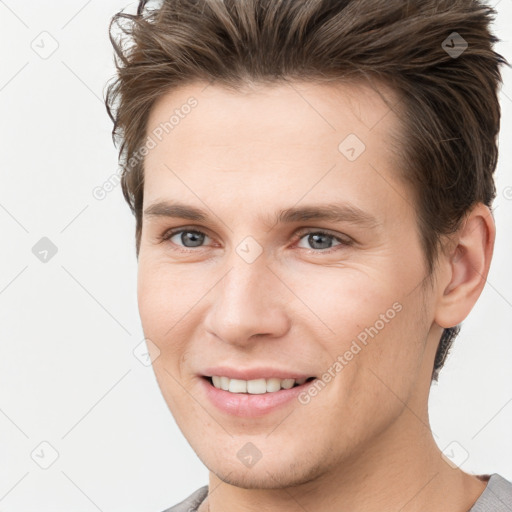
<point>464,269</point>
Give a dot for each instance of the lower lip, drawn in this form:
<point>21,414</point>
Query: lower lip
<point>251,406</point>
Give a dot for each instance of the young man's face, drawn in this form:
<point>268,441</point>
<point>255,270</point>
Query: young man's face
<point>251,293</point>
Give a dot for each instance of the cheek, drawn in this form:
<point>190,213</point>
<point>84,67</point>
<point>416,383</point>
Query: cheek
<point>163,305</point>
<point>164,297</point>
<point>344,302</point>
<point>383,373</point>
<point>161,309</point>
<point>369,325</point>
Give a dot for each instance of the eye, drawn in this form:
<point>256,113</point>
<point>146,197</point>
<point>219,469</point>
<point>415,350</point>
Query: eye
<point>187,236</point>
<point>192,238</point>
<point>321,241</point>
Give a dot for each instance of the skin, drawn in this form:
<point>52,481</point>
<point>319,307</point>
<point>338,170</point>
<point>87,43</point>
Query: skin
<point>364,442</point>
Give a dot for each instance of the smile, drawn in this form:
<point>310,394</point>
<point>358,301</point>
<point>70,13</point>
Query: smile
<point>253,398</point>
<point>255,386</point>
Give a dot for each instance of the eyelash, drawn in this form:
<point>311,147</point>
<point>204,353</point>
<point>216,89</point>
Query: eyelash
<point>298,236</point>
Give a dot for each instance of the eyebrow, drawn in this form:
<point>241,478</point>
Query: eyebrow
<point>326,212</point>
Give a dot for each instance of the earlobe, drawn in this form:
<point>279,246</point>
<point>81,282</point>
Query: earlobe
<point>467,267</point>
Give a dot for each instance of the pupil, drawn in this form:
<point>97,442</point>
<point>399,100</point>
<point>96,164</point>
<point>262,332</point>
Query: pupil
<point>193,237</point>
<point>319,236</point>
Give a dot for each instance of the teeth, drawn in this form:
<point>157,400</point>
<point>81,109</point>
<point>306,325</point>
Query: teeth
<point>256,386</point>
<point>237,386</point>
<point>224,383</point>
<point>273,385</point>
<point>287,383</point>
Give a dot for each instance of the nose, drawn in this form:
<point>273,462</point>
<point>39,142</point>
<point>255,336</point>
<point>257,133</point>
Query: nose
<point>248,303</point>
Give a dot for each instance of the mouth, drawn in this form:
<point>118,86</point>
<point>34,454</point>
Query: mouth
<point>254,398</point>
<point>255,386</point>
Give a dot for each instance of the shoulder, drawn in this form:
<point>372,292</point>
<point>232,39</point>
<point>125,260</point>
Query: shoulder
<point>191,503</point>
<point>497,496</point>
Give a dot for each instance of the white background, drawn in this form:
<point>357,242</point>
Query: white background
<point>68,327</point>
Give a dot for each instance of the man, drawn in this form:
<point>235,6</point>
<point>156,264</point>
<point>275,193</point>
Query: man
<point>312,183</point>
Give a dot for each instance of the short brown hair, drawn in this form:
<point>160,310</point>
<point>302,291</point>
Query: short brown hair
<point>449,92</point>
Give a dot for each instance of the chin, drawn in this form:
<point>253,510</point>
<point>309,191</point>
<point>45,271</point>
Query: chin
<point>274,469</point>
<point>271,476</point>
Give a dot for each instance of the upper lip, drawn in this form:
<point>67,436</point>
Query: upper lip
<point>259,372</point>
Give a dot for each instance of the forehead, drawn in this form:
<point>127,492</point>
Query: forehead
<point>291,135</point>
<point>305,110</point>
